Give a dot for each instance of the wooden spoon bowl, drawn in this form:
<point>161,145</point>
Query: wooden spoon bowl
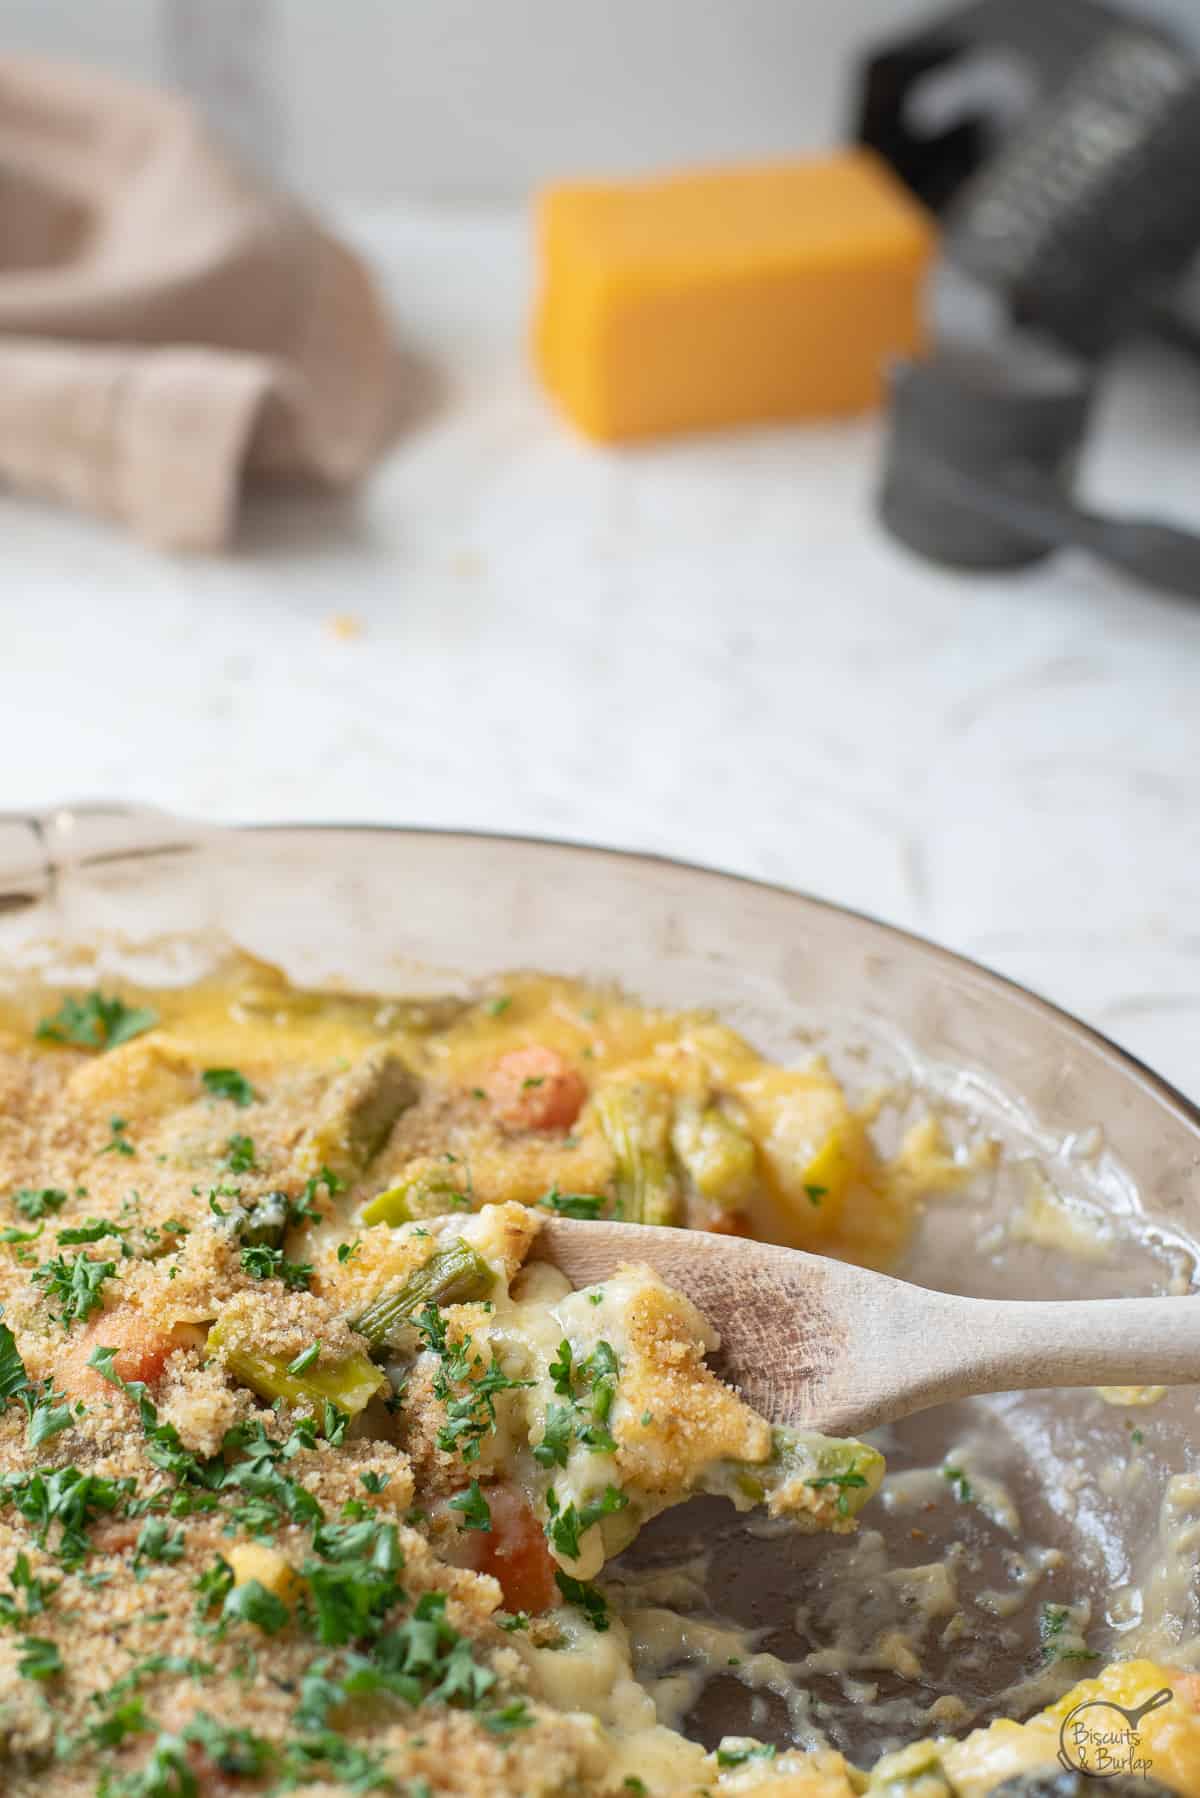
<point>827,1346</point>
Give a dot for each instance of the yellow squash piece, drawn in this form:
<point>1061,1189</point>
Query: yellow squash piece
<point>257,1561</point>
<point>727,296</point>
<point>1136,1717</point>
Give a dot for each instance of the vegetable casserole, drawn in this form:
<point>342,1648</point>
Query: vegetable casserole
<point>311,1468</point>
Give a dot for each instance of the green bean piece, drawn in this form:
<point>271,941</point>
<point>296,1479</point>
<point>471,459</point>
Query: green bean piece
<point>821,1481</point>
<point>453,1276</point>
<point>717,1155</point>
<point>390,1207</point>
<point>349,1383</point>
<point>635,1123</point>
<point>431,1192</point>
<point>358,1113</point>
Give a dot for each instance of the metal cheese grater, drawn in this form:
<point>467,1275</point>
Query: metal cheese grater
<point>1089,213</point>
<point>1081,220</point>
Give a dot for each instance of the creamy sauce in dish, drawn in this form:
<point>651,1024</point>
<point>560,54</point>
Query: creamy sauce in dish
<point>308,1476</point>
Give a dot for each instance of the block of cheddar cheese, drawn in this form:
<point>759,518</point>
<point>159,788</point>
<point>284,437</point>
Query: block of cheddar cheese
<point>727,296</point>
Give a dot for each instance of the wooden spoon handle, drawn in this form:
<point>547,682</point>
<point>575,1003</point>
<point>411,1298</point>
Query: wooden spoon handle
<point>925,1348</point>
<point>876,1349</point>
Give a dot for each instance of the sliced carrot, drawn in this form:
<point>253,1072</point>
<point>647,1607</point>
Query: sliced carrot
<point>514,1551</point>
<point>535,1089</point>
<point>142,1348</point>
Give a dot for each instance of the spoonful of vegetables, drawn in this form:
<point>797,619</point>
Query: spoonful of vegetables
<point>826,1346</point>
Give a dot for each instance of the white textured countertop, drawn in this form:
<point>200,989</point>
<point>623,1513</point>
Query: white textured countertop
<point>705,649</point>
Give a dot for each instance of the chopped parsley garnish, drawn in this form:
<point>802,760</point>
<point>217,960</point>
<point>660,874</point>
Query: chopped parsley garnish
<point>65,1497</point>
<point>94,1230</point>
<point>1052,1621</point>
<point>34,1202</point>
<point>13,1378</point>
<point>555,1445</point>
<point>844,1482</point>
<point>118,1143</point>
<point>1059,1631</point>
<point>270,1494</point>
<point>814,1194</point>
<point>735,1751</point>
<point>589,1599</point>
<point>49,1412</point>
<point>355,1584</point>
<point>254,1603</point>
<point>49,1416</point>
<point>470,1413</point>
<point>473,1508</point>
<point>239,1154</point>
<point>602,1367</point>
<point>12,1234</point>
<point>95,1022</point>
<point>156,1542</point>
<point>74,1283</point>
<point>346,1249</point>
<point>417,1659</point>
<point>567,1523</point>
<point>305,1358</point>
<point>513,1715</point>
<point>29,1594</point>
<point>169,1770</point>
<point>963,1490</point>
<point>572,1204</point>
<point>374,1482</point>
<point>560,1369</point>
<point>39,1659</point>
<point>594,1382</point>
<point>266,1263</point>
<point>228,1083</point>
<point>213,1586</point>
<point>124,1717</point>
<point>497,1007</point>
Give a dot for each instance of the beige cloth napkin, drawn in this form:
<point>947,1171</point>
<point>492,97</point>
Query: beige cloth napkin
<point>169,328</point>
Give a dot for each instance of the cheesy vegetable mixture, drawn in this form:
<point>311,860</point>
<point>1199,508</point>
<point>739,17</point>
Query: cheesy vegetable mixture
<point>310,1467</point>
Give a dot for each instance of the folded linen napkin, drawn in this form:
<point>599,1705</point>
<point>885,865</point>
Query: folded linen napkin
<point>169,327</point>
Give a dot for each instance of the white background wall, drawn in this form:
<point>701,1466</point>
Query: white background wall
<point>469,100</point>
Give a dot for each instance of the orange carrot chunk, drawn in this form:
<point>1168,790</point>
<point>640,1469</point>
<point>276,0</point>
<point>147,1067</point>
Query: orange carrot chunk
<point>535,1089</point>
<point>515,1552</point>
<point>142,1349</point>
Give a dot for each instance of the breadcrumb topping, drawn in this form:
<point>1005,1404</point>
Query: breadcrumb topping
<point>283,1459</point>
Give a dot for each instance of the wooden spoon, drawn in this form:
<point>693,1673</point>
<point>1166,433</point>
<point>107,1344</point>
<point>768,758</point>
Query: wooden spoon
<point>826,1346</point>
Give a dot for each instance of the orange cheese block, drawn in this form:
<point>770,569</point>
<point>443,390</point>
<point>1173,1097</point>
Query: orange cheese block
<point>727,296</point>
